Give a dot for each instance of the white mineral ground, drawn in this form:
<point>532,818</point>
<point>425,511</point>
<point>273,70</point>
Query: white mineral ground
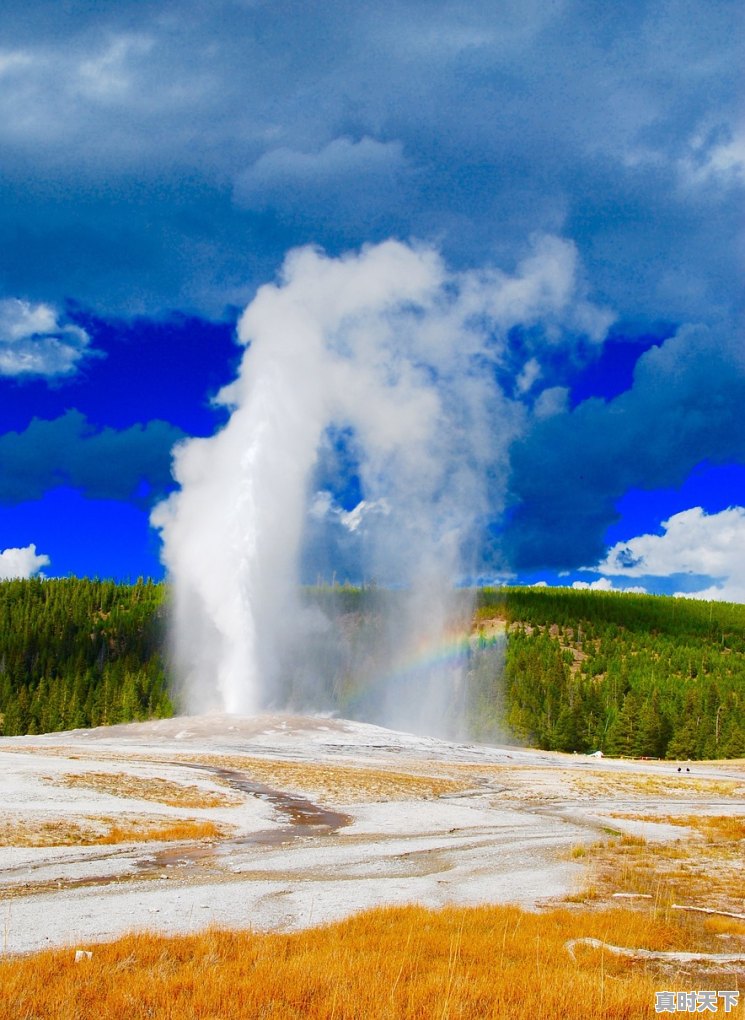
<point>505,837</point>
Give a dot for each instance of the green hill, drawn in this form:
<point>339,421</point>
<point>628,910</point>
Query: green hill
<point>582,671</point>
<point>626,674</point>
<point>76,652</point>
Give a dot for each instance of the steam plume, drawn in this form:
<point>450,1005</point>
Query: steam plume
<point>389,347</point>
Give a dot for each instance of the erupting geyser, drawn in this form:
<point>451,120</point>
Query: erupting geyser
<point>389,347</point>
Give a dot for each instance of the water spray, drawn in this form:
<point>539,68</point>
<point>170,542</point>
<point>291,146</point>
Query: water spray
<point>402,356</point>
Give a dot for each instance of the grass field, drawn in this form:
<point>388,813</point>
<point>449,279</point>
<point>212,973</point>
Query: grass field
<point>152,788</point>
<point>104,831</point>
<point>405,962</point>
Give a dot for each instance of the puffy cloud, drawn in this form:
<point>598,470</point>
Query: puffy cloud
<point>23,563</point>
<point>104,463</point>
<point>551,401</point>
<point>692,542</point>
<point>33,342</point>
<point>605,584</point>
<point>529,375</point>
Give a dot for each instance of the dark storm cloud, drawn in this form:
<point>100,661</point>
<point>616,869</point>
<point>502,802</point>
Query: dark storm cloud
<point>127,464</point>
<point>165,155</point>
<point>684,407</point>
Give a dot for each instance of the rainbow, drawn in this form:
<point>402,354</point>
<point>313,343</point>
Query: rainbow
<point>449,651</point>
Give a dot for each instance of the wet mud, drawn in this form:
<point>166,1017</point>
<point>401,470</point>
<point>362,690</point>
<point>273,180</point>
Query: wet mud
<point>304,819</point>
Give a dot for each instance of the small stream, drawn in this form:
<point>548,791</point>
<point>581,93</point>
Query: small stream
<point>304,819</point>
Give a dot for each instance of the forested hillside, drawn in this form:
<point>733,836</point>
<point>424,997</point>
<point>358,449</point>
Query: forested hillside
<point>627,674</point>
<point>631,675</point>
<point>75,652</point>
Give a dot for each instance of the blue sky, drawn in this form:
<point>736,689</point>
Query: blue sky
<point>160,159</point>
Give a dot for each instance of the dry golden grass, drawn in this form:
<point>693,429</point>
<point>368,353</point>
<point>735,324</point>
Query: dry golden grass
<point>164,791</point>
<point>338,784</point>
<point>566,782</point>
<point>716,828</point>
<point>166,831</point>
<point>404,962</point>
<point>50,832</point>
<point>604,783</point>
<point>103,831</point>
<point>486,625</point>
<point>702,870</point>
<point>725,926</point>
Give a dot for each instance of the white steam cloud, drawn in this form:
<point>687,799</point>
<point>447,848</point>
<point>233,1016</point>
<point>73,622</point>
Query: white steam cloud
<point>402,355</point>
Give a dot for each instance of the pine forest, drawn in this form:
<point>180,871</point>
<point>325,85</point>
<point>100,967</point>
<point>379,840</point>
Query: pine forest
<point>585,671</point>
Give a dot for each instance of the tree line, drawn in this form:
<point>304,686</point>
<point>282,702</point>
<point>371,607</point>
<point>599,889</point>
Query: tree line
<point>627,674</point>
<point>77,652</point>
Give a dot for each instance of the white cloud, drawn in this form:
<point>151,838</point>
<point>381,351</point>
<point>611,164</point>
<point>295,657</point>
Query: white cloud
<point>323,507</point>
<point>605,584</point>
<point>530,374</point>
<point>352,519</point>
<point>716,155</point>
<point>554,400</point>
<point>59,95</point>
<point>693,542</point>
<point>13,60</point>
<point>34,342</point>
<point>22,563</point>
<point>108,75</point>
